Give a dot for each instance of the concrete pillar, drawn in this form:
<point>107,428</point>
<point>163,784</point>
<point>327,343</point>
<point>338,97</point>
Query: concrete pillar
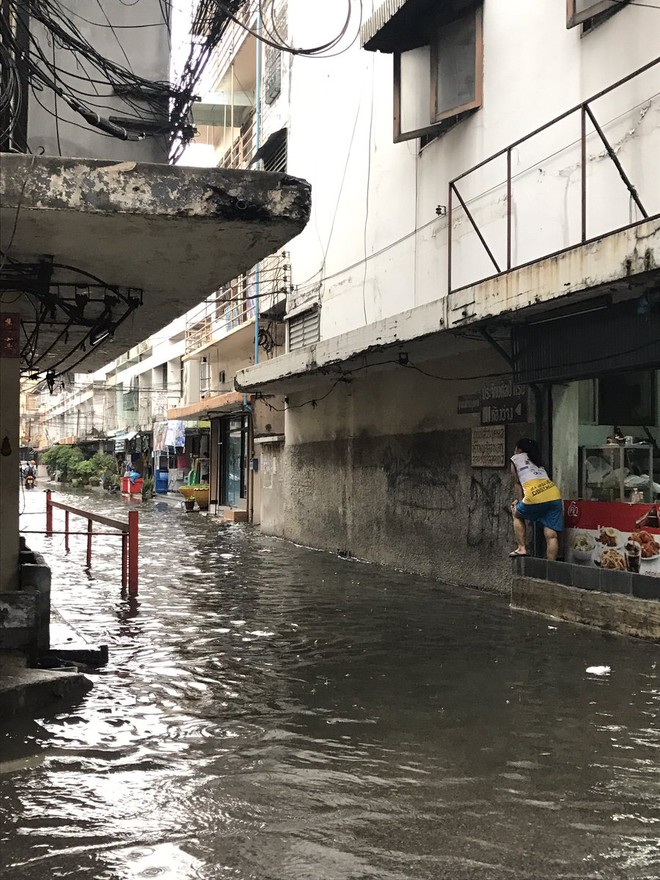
<point>9,451</point>
<point>565,437</point>
<point>191,382</point>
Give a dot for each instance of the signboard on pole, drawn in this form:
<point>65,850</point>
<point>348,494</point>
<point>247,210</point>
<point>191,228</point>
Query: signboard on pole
<point>468,403</point>
<point>503,402</point>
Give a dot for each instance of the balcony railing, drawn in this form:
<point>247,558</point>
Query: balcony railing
<point>557,190</point>
<point>242,149</point>
<point>234,304</point>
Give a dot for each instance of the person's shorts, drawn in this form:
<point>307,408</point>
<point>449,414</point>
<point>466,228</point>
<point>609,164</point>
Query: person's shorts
<point>549,513</point>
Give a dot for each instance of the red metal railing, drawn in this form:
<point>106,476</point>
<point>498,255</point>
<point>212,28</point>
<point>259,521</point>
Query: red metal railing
<point>586,113</point>
<point>127,530</point>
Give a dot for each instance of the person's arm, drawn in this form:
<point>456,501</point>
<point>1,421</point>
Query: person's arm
<point>517,488</point>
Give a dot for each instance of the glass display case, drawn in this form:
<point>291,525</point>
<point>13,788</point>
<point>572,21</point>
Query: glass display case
<point>618,473</point>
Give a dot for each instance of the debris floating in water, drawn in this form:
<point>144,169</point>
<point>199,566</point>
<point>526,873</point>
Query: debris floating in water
<point>598,670</point>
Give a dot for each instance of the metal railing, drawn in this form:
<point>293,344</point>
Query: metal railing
<point>239,154</point>
<point>586,115</point>
<point>127,530</point>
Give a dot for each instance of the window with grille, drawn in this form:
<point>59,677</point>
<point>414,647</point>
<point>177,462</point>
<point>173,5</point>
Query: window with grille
<point>304,329</point>
<point>272,78</point>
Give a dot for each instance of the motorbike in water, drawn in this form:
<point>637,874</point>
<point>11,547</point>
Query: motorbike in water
<point>28,481</point>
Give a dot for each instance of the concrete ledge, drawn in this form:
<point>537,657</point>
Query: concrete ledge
<point>609,611</point>
<point>35,692</point>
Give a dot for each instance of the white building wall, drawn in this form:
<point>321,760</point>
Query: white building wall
<point>376,198</point>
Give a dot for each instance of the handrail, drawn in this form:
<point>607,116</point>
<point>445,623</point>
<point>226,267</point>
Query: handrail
<point>586,113</point>
<point>95,517</point>
<point>559,118</point>
<point>127,530</point>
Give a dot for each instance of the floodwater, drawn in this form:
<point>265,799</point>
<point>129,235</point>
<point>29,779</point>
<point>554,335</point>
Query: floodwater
<point>276,713</point>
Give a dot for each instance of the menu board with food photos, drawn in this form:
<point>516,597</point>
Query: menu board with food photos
<point>614,536</point>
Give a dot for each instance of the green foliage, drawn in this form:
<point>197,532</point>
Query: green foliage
<point>148,488</point>
<point>63,459</point>
<point>71,464</point>
<point>104,465</point>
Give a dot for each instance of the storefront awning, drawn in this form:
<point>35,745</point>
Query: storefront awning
<point>208,405</point>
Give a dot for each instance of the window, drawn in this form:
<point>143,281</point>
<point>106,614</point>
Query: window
<point>272,79</point>
<point>590,11</point>
<point>204,377</point>
<point>438,61</point>
<point>304,329</point>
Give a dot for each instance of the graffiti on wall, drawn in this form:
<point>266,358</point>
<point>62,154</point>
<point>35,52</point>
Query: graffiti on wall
<point>420,484</point>
<point>488,520</point>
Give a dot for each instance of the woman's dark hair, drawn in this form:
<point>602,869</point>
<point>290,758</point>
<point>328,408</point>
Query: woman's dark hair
<point>531,450</point>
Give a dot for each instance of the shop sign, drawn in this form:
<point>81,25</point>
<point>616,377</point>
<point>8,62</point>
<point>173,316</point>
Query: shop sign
<point>120,445</point>
<point>468,403</point>
<point>10,324</point>
<point>613,536</point>
<point>489,447</point>
<point>503,402</point>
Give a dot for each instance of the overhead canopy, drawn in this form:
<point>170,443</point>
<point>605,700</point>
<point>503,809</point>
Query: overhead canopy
<point>215,404</point>
<point>164,235</point>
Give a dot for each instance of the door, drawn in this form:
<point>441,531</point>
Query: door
<point>234,461</point>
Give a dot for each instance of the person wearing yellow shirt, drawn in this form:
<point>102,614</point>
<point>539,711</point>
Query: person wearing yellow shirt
<point>539,499</point>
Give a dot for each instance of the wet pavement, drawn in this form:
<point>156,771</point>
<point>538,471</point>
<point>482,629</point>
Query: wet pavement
<point>277,713</point>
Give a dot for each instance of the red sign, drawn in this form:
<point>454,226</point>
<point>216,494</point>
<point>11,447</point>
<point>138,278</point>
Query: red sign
<point>10,338</point>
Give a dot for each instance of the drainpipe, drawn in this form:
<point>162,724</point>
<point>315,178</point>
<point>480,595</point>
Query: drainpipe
<point>257,144</point>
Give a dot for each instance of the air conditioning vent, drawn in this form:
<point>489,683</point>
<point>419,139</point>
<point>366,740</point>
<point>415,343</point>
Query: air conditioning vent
<point>304,329</point>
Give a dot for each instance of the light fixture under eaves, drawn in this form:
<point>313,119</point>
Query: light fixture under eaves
<point>99,335</point>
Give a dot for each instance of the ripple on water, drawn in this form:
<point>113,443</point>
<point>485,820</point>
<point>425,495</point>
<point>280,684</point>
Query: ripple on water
<point>272,712</point>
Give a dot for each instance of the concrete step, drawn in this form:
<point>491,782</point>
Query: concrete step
<point>36,692</point>
<point>68,645</point>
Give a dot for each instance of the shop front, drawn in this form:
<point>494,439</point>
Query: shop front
<point>611,470</point>
<point>221,450</point>
<point>230,440</point>
<point>601,365</point>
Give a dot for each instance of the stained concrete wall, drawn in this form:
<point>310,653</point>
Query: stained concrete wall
<point>9,479</point>
<point>381,468</point>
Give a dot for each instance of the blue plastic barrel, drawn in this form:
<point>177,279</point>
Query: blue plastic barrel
<point>162,479</point>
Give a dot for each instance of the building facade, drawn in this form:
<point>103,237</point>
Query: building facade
<point>481,265</point>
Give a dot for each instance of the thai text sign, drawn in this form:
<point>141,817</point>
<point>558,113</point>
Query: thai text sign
<point>503,401</point>
<point>9,335</point>
<point>489,447</point>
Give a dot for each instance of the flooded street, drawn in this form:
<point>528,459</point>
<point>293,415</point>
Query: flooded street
<point>276,713</point>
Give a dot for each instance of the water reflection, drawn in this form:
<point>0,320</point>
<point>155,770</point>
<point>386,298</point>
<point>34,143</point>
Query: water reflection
<point>273,712</point>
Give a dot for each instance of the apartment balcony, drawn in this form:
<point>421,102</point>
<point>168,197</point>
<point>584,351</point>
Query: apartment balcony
<point>567,214</point>
<point>235,48</point>
<point>568,208</point>
<point>227,317</point>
